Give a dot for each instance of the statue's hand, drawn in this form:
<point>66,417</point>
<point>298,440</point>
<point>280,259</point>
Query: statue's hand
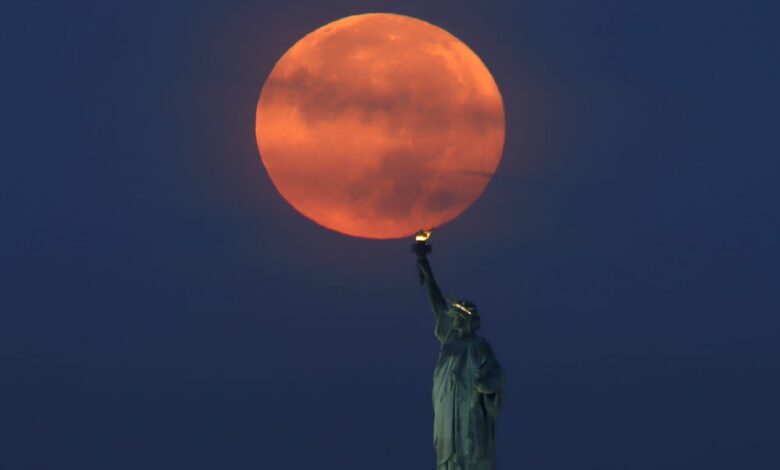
<point>421,249</point>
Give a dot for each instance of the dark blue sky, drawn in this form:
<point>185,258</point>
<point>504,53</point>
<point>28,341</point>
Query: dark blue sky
<point>162,307</point>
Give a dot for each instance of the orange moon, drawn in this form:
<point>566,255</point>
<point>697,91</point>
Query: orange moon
<point>378,125</point>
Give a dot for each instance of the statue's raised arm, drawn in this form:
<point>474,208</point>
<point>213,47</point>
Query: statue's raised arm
<point>435,296</point>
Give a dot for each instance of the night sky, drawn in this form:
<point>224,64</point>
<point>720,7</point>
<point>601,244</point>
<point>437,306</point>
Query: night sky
<point>162,307</point>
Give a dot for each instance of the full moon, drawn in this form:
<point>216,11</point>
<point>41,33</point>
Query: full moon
<point>380,125</point>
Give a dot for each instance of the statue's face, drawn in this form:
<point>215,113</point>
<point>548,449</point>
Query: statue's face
<point>459,320</point>
<point>462,314</point>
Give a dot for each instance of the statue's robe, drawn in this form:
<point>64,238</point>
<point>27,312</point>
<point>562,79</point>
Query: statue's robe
<point>464,419</point>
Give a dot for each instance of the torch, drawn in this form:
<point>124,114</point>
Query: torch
<point>421,248</point>
<point>421,245</point>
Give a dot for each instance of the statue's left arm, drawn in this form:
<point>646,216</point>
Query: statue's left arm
<point>489,380</point>
<point>490,376</point>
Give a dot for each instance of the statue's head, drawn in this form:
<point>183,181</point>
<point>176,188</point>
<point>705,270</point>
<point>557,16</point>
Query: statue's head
<point>464,315</point>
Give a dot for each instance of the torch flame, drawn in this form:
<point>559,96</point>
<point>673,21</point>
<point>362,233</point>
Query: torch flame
<point>423,235</point>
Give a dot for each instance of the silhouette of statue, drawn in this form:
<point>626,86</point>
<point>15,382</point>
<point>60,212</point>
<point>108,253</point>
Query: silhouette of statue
<point>467,381</point>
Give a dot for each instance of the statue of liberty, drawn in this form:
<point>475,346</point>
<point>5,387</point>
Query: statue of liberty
<point>467,381</point>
